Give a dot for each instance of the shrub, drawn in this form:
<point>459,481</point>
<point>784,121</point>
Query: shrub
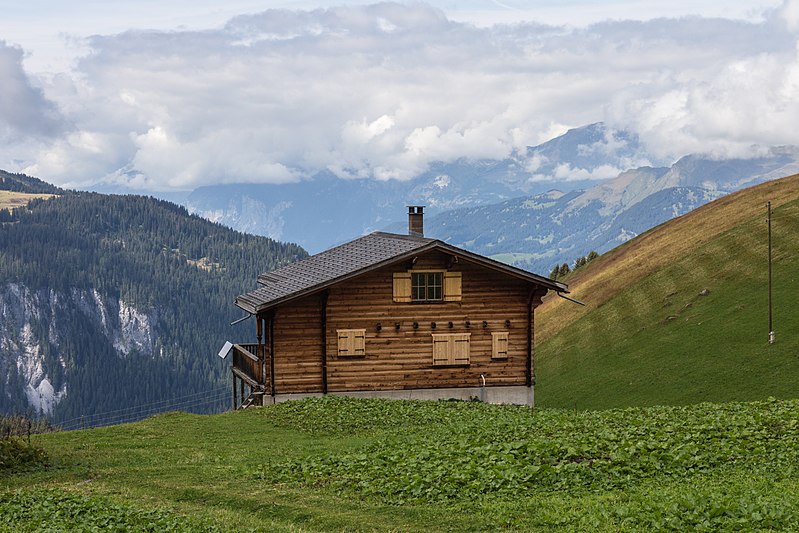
<point>16,453</point>
<point>16,450</point>
<point>18,425</point>
<point>55,510</point>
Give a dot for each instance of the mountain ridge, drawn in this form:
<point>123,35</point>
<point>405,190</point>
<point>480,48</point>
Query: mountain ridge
<point>116,301</point>
<point>485,205</point>
<point>325,209</point>
<point>605,215</point>
<point>26,184</point>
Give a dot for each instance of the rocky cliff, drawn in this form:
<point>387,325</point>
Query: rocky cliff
<point>37,328</point>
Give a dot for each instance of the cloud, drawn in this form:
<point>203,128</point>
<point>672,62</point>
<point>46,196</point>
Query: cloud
<point>745,104</point>
<point>24,111</point>
<point>565,172</point>
<point>789,14</point>
<point>383,90</point>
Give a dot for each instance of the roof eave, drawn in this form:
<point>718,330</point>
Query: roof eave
<point>246,307</point>
<point>431,245</point>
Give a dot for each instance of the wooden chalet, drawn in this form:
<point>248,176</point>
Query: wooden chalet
<point>397,316</point>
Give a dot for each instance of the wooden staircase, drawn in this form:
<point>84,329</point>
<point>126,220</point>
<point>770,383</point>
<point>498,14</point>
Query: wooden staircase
<point>255,398</point>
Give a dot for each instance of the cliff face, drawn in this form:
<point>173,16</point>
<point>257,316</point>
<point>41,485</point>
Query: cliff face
<point>39,331</point>
<point>112,303</point>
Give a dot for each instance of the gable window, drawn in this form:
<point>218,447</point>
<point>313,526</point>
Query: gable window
<point>351,342</point>
<point>427,286</point>
<point>451,349</point>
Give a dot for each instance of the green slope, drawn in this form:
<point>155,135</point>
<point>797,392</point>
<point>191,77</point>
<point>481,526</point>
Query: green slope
<point>343,464</point>
<point>649,335</point>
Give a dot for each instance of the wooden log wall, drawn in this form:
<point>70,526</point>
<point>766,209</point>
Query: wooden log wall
<point>298,346</point>
<point>402,359</point>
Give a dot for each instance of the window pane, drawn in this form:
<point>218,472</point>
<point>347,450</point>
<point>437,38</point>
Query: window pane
<point>417,286</point>
<point>417,293</point>
<point>434,281</point>
<point>434,293</point>
<point>426,286</point>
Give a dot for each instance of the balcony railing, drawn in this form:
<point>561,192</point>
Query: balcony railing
<point>249,365</point>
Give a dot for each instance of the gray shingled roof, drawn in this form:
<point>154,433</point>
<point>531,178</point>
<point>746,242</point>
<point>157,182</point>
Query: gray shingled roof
<point>351,259</point>
<point>330,265</point>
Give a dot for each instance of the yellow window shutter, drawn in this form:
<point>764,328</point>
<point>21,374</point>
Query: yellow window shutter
<point>460,349</point>
<point>440,350</point>
<point>402,286</point>
<point>359,342</point>
<point>451,349</point>
<point>351,342</point>
<point>452,287</point>
<point>344,343</point>
<point>499,345</point>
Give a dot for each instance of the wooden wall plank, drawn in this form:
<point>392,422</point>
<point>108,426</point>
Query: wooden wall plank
<point>402,359</point>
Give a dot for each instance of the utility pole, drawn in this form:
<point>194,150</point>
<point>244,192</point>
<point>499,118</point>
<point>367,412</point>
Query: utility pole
<point>770,326</point>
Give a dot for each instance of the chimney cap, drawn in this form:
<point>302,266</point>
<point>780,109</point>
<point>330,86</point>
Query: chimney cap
<point>416,220</point>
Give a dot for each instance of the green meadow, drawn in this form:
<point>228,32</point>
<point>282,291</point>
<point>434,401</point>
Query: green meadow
<point>338,464</point>
<point>679,315</point>
<point>660,407</point>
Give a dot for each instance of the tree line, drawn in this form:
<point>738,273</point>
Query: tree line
<point>144,252</point>
<point>27,184</point>
<point>560,271</point>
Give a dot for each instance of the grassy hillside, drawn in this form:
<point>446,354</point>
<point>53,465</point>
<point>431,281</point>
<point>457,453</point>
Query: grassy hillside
<point>16,190</point>
<point>12,199</point>
<point>338,464</point>
<point>679,314</point>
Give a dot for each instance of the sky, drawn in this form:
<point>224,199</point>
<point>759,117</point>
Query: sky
<point>176,94</point>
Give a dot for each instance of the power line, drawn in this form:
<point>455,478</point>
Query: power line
<point>137,412</point>
<point>100,421</point>
<point>159,402</point>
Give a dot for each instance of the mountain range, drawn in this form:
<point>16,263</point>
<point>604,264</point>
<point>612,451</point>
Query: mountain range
<point>591,188</point>
<point>110,303</point>
<point>551,228</point>
<point>325,210</point>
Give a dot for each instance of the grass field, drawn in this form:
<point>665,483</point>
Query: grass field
<point>12,200</point>
<point>338,464</point>
<point>679,315</point>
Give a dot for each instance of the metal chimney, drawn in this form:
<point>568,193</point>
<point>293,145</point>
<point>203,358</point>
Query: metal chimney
<point>416,220</point>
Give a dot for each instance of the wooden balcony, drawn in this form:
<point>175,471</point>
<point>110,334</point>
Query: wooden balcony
<point>251,368</point>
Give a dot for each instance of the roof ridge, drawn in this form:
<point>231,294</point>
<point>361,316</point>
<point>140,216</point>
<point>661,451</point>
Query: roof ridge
<point>402,236</point>
<point>329,251</point>
<point>352,258</point>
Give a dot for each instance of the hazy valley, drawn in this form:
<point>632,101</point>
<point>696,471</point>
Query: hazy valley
<point>585,190</point>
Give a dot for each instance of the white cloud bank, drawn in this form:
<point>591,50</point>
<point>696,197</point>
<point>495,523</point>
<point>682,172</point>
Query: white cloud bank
<point>24,111</point>
<point>383,90</point>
